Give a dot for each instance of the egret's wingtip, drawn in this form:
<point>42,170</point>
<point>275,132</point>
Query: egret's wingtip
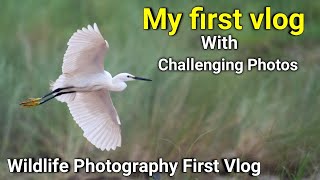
<point>95,27</point>
<point>107,44</point>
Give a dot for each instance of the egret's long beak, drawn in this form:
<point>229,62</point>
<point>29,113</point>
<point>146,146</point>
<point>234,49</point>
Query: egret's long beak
<point>140,78</point>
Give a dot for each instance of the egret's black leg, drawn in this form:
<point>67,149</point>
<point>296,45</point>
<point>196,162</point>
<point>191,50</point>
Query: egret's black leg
<point>31,102</point>
<point>56,90</point>
<point>58,94</point>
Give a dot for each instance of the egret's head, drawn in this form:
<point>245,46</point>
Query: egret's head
<point>129,77</point>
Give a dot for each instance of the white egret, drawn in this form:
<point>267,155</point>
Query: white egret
<point>84,85</point>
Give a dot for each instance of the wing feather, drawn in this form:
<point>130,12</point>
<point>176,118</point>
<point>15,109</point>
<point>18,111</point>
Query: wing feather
<point>100,139</point>
<point>86,51</point>
<point>95,114</point>
<point>109,143</point>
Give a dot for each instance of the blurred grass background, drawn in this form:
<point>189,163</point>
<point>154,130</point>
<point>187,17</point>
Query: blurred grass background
<point>267,117</point>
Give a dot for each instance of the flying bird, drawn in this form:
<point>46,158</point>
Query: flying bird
<point>85,86</point>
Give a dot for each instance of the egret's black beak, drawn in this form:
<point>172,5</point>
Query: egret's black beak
<point>140,78</point>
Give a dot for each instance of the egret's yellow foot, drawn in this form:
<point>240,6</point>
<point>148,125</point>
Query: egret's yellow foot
<point>31,102</point>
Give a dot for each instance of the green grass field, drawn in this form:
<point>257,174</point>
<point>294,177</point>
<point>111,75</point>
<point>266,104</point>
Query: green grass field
<point>273,117</point>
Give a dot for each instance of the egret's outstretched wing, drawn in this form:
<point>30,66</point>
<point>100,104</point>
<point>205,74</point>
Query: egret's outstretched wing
<point>95,114</point>
<point>86,52</point>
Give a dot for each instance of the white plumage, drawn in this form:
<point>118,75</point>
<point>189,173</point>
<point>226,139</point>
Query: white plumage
<point>84,85</point>
<point>96,115</point>
<point>86,48</point>
<point>93,111</point>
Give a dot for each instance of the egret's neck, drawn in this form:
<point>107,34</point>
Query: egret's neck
<point>117,84</point>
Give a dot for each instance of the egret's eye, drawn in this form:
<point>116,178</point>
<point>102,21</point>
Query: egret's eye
<point>128,76</point>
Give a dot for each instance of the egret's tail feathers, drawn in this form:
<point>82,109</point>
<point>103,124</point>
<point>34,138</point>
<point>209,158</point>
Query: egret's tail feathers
<point>61,83</point>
